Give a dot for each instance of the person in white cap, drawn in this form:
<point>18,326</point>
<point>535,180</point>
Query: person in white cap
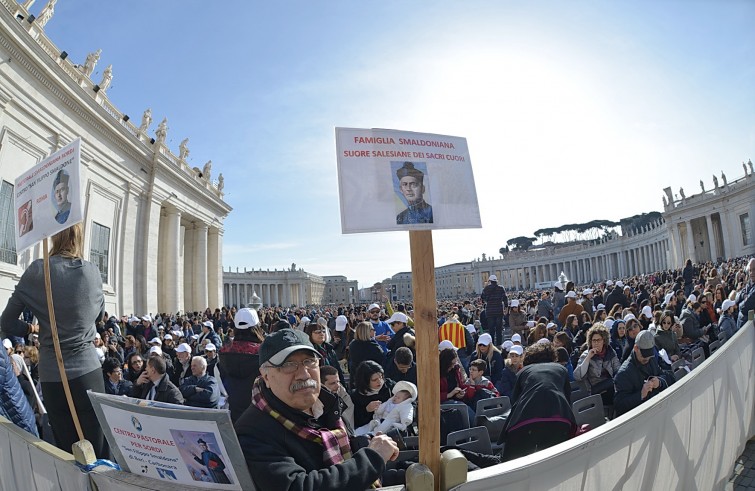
<point>616,297</point>
<point>383,332</point>
<point>399,323</point>
<point>586,302</point>
<point>496,301</point>
<point>182,365</point>
<point>516,339</point>
<point>239,362</point>
<point>517,319</point>
<point>726,323</point>
<point>571,307</point>
<point>208,333</point>
<point>492,356</point>
<point>512,366</point>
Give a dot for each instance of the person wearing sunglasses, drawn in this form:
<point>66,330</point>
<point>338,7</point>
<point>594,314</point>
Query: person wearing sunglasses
<point>317,335</point>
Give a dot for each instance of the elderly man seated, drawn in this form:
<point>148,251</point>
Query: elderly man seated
<point>200,389</point>
<point>292,434</point>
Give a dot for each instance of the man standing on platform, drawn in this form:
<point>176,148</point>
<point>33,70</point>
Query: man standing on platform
<point>496,301</point>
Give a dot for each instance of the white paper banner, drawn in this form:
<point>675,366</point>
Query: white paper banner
<point>49,196</point>
<point>400,180</point>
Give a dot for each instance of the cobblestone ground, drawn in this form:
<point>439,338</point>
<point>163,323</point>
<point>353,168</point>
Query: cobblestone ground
<point>743,478</point>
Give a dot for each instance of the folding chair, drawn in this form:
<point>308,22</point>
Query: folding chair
<point>589,411</point>
<point>494,406</point>
<point>678,363</point>
<point>679,373</point>
<point>698,356</point>
<point>722,337</point>
<point>578,391</point>
<point>714,346</point>
<point>474,439</point>
<point>492,414</point>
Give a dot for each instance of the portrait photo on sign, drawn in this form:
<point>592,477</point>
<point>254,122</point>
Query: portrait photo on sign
<point>411,185</point>
<point>60,190</point>
<point>202,455</point>
<point>25,219</point>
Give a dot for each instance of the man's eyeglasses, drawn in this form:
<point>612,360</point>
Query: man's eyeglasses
<point>319,331</point>
<point>290,367</point>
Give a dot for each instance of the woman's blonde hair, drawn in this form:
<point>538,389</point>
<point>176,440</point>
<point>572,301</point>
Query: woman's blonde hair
<point>363,331</point>
<point>69,242</point>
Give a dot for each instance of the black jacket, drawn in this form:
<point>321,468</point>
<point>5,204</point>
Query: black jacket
<point>165,391</point>
<point>541,390</point>
<point>279,459</point>
<point>360,351</point>
<point>495,299</point>
<point>239,367</point>
<point>361,416</point>
<point>629,380</point>
<point>616,296</point>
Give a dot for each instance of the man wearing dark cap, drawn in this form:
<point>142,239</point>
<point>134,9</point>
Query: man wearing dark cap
<point>412,188</point>
<point>639,377</point>
<point>292,434</point>
<point>60,187</point>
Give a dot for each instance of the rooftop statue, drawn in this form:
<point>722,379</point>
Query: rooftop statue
<point>162,130</point>
<point>146,120</point>
<point>107,78</point>
<point>91,62</point>
<point>46,13</point>
<point>183,149</point>
<point>207,170</point>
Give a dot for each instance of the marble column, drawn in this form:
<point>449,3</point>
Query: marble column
<point>711,238</point>
<point>214,267</point>
<point>690,242</point>
<point>200,267</point>
<point>173,265</point>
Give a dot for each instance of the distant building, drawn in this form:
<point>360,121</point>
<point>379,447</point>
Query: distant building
<point>340,290</point>
<point>285,287</point>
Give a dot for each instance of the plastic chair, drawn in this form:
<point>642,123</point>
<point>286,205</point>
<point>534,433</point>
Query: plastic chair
<point>698,356</point>
<point>494,406</point>
<point>578,391</point>
<point>679,373</point>
<point>678,363</point>
<point>411,442</point>
<point>492,414</point>
<point>714,346</point>
<point>474,439</point>
<point>589,411</point>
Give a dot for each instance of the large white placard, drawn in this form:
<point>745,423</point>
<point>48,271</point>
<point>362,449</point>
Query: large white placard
<point>173,443</point>
<point>401,180</point>
<point>49,196</point>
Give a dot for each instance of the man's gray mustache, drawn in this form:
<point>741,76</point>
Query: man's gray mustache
<point>304,384</point>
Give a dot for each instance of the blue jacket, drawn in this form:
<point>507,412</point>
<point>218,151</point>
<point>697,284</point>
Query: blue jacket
<point>208,396</point>
<point>13,403</point>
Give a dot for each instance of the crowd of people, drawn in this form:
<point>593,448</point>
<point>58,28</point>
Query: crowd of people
<point>315,391</point>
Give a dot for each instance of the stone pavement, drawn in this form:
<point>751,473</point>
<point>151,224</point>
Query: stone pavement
<point>743,478</point>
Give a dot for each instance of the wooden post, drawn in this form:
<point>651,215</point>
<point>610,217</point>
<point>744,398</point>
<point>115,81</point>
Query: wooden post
<point>426,330</point>
<point>56,341</point>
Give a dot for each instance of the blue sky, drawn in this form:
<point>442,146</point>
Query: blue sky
<point>573,111</point>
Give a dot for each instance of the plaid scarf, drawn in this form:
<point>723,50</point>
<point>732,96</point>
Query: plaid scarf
<point>335,442</point>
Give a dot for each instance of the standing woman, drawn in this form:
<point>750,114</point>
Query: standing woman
<point>79,304</point>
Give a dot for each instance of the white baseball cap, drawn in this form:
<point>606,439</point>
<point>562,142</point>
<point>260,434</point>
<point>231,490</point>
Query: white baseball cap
<point>571,294</point>
<point>208,324</point>
<point>507,345</point>
<point>341,323</point>
<point>647,311</point>
<point>492,277</point>
<point>515,303</point>
<point>485,339</point>
<point>471,328</point>
<point>168,337</point>
<point>155,341</point>
<point>210,347</point>
<point>246,318</point>
<point>727,304</point>
<point>183,348</point>
<point>373,306</point>
<point>7,343</point>
<point>155,349</point>
<point>516,338</point>
<point>517,350</point>
<point>446,344</point>
<point>398,317</point>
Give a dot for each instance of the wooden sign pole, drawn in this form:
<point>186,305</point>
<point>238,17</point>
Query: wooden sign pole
<point>56,341</point>
<point>426,330</point>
